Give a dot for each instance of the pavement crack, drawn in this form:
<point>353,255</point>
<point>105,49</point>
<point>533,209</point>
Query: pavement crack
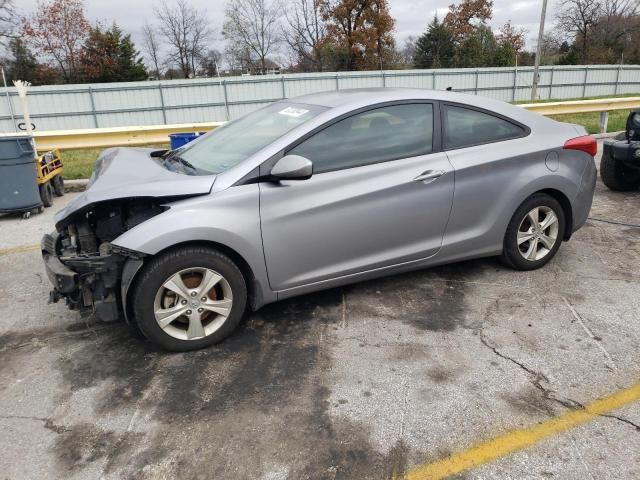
<point>538,376</point>
<point>535,376</point>
<point>575,405</point>
<point>48,423</point>
<point>38,341</point>
<point>623,420</point>
<point>549,394</point>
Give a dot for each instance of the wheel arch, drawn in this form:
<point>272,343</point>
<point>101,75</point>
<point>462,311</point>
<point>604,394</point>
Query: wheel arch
<point>132,269</point>
<point>565,203</point>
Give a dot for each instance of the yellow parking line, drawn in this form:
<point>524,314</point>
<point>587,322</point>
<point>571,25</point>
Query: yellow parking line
<point>23,248</point>
<point>522,438</point>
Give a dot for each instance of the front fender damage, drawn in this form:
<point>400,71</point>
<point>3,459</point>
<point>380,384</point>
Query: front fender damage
<point>85,268</point>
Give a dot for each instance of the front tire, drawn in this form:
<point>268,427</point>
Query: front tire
<point>534,233</point>
<point>189,298</point>
<point>618,176</point>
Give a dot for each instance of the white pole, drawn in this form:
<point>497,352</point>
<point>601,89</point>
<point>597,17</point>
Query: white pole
<point>536,68</point>
<point>22,87</point>
<point>6,91</point>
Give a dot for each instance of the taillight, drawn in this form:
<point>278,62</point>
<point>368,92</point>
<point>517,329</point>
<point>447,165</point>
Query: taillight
<point>585,144</point>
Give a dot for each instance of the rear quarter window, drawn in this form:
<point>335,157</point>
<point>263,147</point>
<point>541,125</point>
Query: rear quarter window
<point>464,127</point>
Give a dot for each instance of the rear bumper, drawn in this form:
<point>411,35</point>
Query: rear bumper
<point>88,283</point>
<point>584,198</point>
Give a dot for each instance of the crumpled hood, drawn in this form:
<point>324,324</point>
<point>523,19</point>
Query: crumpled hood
<point>132,173</point>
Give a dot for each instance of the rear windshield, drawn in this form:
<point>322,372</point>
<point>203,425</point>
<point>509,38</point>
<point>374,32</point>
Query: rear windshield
<point>234,142</point>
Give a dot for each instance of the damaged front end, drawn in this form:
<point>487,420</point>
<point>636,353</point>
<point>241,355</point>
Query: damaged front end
<point>82,264</point>
<point>128,186</point>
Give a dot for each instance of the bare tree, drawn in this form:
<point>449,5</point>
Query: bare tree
<point>151,48</point>
<point>579,18</point>
<point>239,58</point>
<point>408,50</point>
<point>253,25</point>
<point>307,31</point>
<point>7,19</point>
<point>618,18</point>
<point>186,31</point>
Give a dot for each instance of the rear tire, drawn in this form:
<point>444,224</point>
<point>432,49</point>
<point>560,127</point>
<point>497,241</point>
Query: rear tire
<point>46,194</point>
<point>58,185</point>
<point>174,308</point>
<point>618,176</point>
<point>534,233</point>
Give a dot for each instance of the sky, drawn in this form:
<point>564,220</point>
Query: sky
<point>412,16</point>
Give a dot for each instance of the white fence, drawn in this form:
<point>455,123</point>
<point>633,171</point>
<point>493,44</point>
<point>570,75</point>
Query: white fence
<point>65,107</point>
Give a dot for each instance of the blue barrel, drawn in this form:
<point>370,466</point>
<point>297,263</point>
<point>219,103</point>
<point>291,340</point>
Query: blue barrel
<point>18,178</point>
<point>177,140</point>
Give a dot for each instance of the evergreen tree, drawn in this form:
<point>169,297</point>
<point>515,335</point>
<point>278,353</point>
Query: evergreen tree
<point>110,56</point>
<point>478,49</point>
<point>505,55</point>
<point>434,48</point>
<point>130,64</point>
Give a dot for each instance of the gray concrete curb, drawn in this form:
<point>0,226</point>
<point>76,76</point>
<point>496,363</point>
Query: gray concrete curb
<point>606,135</point>
<point>76,185</point>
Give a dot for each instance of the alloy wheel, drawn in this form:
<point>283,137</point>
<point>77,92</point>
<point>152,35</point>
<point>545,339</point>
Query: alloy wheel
<point>537,233</point>
<point>193,303</point>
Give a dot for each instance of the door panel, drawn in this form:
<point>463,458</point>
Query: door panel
<point>356,219</point>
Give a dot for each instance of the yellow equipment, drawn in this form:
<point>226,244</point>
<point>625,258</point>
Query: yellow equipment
<point>49,176</point>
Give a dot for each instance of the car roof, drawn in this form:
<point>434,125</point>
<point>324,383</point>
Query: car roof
<point>361,97</point>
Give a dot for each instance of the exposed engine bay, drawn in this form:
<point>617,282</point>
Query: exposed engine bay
<point>83,265</point>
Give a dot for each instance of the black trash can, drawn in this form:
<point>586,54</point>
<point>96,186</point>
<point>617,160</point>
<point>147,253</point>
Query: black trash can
<point>18,178</point>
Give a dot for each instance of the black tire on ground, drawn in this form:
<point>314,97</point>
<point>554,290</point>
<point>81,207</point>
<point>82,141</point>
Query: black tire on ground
<point>46,194</point>
<point>58,185</point>
<point>618,176</point>
<point>159,269</point>
<point>511,255</point>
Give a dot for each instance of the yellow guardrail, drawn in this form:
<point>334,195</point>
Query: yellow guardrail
<point>583,106</point>
<point>114,137</point>
<point>159,134</point>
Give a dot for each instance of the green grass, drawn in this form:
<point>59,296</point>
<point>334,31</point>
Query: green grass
<point>591,121</point>
<point>80,163</point>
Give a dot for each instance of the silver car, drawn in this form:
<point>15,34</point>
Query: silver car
<point>310,193</point>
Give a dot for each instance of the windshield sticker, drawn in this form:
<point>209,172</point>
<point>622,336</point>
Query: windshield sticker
<point>293,112</point>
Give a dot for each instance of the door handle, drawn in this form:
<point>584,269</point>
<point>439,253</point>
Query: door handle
<point>429,176</point>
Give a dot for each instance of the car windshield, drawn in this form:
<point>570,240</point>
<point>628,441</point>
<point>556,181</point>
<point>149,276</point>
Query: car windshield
<point>231,144</point>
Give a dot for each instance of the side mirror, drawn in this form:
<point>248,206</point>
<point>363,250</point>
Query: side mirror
<point>292,167</point>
